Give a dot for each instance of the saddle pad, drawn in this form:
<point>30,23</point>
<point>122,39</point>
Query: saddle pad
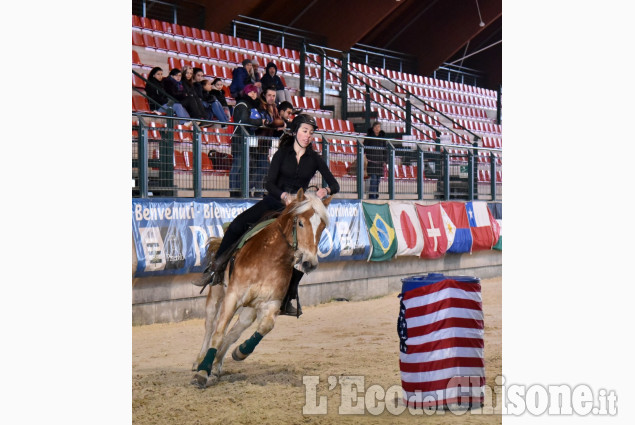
<point>252,232</point>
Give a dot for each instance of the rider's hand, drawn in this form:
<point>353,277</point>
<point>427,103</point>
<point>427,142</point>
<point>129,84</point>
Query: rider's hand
<point>286,198</point>
<point>321,193</point>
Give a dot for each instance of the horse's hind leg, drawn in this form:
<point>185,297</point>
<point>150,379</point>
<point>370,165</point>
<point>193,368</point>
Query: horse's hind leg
<point>227,310</point>
<point>214,298</point>
<point>267,312</point>
<point>245,319</point>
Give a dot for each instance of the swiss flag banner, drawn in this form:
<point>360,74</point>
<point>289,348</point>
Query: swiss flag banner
<point>407,229</point>
<point>463,236</point>
<point>435,240</point>
<point>485,230</point>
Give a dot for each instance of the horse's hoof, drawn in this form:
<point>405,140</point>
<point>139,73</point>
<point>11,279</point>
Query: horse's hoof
<point>199,379</point>
<point>238,356</point>
<point>213,379</point>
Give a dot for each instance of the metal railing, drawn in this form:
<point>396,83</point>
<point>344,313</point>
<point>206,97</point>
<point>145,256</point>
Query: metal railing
<point>172,160</point>
<point>182,12</point>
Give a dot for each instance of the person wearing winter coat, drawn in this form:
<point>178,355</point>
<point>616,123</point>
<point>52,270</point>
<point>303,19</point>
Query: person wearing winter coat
<point>157,88</point>
<point>271,78</point>
<point>377,156</point>
<point>240,78</point>
<point>248,110</point>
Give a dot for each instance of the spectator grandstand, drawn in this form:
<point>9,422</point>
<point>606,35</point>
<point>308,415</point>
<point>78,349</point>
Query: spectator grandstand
<point>445,138</point>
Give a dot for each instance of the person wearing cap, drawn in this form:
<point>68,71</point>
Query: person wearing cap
<point>240,78</point>
<point>292,168</point>
<point>271,78</point>
<point>248,110</point>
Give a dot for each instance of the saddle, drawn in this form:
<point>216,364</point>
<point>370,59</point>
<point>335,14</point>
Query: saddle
<point>230,254</point>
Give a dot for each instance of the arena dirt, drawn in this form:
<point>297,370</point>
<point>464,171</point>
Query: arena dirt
<point>334,339</point>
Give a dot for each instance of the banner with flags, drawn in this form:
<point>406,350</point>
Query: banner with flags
<point>381,231</point>
<point>435,239</point>
<point>407,229</point>
<point>170,234</point>
<point>483,227</point>
<point>462,236</point>
<point>345,238</point>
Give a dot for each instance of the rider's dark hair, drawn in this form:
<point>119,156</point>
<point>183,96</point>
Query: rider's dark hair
<point>286,140</point>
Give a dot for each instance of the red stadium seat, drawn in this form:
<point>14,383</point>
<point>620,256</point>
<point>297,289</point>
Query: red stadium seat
<point>189,159</point>
<point>183,134</point>
<point>140,104</point>
<point>135,58</point>
<point>148,41</point>
<point>138,82</point>
<point>177,30</point>
<point>208,136</point>
<point>337,125</point>
<point>146,23</point>
<point>137,39</point>
<point>215,38</point>
<point>160,44</point>
<point>136,21</point>
<point>206,164</point>
<point>338,168</point>
<point>180,163</point>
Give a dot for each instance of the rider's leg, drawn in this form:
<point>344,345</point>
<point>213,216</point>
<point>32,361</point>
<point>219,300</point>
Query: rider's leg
<point>239,226</point>
<point>286,307</point>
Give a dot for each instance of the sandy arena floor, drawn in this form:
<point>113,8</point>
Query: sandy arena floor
<point>339,338</point>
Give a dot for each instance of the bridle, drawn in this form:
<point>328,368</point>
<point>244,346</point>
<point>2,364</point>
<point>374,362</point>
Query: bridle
<point>294,234</point>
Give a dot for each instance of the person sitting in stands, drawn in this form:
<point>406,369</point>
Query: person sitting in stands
<point>217,91</point>
<point>203,89</point>
<point>255,75</point>
<point>285,109</point>
<point>271,78</point>
<point>193,103</point>
<point>156,91</point>
<point>240,78</point>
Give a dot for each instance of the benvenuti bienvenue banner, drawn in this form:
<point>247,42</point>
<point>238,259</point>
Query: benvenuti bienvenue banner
<point>170,234</point>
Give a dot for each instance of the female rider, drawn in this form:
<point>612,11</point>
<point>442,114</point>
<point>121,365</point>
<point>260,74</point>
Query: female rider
<point>292,167</point>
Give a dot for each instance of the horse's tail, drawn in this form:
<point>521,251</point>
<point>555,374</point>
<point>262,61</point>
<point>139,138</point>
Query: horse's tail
<point>212,246</point>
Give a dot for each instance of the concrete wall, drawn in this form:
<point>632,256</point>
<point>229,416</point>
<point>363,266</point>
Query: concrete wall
<point>173,298</point>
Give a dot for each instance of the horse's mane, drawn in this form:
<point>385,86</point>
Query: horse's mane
<point>311,201</point>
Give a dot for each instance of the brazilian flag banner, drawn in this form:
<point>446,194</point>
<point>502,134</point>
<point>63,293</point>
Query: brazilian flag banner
<point>381,231</point>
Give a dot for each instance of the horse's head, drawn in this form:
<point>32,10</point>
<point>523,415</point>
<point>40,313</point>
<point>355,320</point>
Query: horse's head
<point>310,217</point>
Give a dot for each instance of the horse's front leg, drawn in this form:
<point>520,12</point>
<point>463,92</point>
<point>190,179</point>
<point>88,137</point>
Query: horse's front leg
<point>268,312</point>
<point>245,319</point>
<point>227,310</point>
<point>212,306</point>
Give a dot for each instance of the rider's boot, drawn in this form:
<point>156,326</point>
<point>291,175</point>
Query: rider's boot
<point>286,308</point>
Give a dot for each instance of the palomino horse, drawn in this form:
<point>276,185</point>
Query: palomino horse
<point>258,281</point>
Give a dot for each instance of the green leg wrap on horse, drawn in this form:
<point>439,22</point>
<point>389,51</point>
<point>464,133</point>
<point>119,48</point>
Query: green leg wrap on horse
<point>248,346</point>
<point>206,364</point>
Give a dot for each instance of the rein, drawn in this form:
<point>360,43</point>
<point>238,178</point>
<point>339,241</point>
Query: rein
<point>294,243</point>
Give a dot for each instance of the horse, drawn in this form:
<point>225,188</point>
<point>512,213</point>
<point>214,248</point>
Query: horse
<point>257,282</point>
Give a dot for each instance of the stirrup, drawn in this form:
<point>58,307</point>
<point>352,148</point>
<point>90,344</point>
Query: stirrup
<point>217,277</point>
<point>288,309</point>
